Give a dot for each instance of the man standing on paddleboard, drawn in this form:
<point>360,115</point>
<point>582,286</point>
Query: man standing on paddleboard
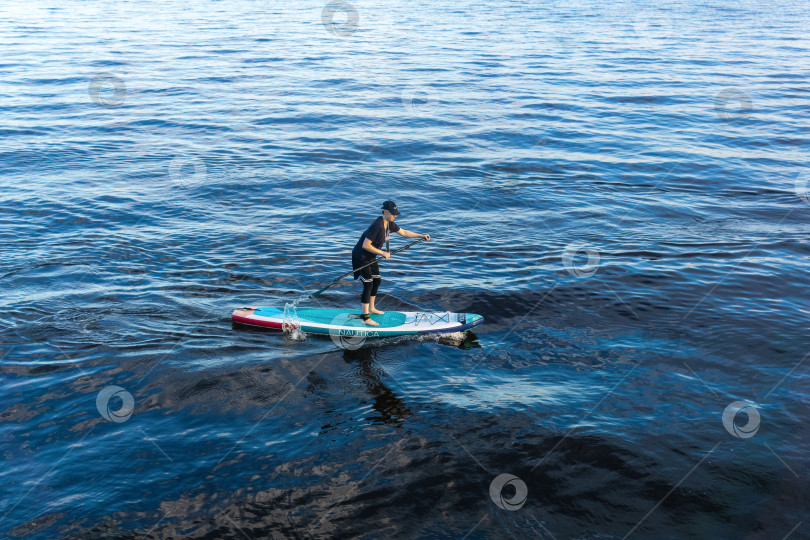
<point>370,245</point>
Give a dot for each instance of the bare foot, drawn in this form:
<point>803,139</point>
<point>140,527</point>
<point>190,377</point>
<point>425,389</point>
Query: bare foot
<point>377,311</point>
<point>371,323</point>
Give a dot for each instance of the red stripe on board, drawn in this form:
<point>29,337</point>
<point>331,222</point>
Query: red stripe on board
<point>255,322</point>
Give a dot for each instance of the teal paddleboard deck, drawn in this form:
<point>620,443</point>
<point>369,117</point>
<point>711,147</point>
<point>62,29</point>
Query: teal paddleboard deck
<point>345,322</point>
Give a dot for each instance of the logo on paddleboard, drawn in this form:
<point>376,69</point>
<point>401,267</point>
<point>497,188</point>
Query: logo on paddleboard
<point>513,503</point>
<point>121,414</point>
<point>348,337</point>
<point>357,333</point>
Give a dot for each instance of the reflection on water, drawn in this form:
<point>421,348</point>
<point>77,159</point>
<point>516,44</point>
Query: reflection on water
<point>390,407</point>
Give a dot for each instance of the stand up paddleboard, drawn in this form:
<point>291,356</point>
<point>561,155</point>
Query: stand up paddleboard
<point>343,322</point>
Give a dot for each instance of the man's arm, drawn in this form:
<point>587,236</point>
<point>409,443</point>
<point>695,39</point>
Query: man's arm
<point>409,234</point>
<point>368,247</point>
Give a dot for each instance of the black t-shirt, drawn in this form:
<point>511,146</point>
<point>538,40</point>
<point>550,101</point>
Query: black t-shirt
<point>378,235</point>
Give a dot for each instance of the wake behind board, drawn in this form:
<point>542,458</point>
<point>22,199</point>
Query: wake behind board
<point>340,321</point>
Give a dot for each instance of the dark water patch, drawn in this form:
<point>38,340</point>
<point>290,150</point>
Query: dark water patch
<point>217,79</point>
<point>264,60</point>
<point>55,82</point>
<point>105,63</point>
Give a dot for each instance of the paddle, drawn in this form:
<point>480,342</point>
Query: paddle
<point>316,293</point>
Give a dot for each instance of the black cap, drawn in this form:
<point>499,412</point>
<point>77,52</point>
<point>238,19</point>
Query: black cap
<point>391,206</point>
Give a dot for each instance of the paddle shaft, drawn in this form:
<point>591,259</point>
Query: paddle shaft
<point>316,293</point>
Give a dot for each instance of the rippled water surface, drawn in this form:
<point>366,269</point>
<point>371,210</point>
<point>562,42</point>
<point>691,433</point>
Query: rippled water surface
<point>619,188</point>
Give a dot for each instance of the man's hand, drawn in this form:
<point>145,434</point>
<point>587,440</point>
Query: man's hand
<point>426,237</point>
<point>386,254</point>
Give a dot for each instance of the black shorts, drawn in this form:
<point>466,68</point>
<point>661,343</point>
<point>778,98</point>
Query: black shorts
<point>368,273</point>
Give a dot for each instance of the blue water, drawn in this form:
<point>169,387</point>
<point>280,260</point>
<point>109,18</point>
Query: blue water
<point>619,188</point>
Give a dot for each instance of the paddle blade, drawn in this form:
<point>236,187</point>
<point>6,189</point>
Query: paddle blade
<point>319,291</point>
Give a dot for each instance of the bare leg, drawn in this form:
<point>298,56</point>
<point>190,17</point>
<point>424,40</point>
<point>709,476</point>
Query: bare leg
<point>366,312</point>
<point>373,309</point>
